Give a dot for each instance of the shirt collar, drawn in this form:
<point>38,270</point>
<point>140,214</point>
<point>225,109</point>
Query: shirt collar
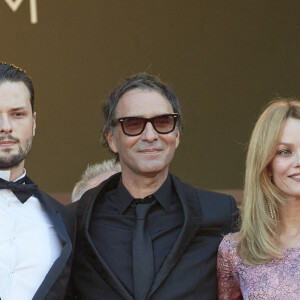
<point>164,195</point>
<point>6,174</point>
<point>123,196</point>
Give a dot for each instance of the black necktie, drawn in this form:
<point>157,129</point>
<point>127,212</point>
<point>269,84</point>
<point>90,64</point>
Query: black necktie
<point>142,251</point>
<point>21,190</point>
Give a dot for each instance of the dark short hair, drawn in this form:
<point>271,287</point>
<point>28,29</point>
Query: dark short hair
<point>138,81</point>
<point>12,73</point>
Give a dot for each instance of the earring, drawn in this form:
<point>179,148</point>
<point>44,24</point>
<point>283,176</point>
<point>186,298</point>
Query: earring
<point>271,210</point>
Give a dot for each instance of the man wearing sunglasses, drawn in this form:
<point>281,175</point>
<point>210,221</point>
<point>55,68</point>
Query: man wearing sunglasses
<point>144,234</point>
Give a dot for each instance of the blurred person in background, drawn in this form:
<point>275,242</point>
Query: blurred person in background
<point>93,176</point>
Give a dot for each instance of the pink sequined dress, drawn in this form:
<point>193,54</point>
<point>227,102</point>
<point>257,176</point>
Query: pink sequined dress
<point>277,280</point>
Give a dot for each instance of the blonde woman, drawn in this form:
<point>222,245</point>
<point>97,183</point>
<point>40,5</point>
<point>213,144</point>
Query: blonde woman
<point>262,261</point>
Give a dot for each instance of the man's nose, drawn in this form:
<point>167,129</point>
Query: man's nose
<point>149,134</point>
<point>5,124</point>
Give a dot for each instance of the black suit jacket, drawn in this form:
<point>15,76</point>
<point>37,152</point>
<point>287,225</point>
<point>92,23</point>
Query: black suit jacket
<point>55,283</point>
<point>188,272</point>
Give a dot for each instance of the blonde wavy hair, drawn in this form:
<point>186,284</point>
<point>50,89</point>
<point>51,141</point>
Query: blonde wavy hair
<point>260,222</point>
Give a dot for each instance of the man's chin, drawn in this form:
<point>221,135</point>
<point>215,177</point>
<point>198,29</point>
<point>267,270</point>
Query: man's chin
<point>10,162</point>
<point>8,166</point>
<point>152,169</point>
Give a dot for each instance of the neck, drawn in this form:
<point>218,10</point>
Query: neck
<point>290,225</point>
<point>140,186</point>
<point>15,171</point>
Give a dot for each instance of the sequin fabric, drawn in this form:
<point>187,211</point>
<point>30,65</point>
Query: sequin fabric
<point>277,280</point>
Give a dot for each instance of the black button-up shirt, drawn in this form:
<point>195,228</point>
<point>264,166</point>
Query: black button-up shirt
<point>113,222</point>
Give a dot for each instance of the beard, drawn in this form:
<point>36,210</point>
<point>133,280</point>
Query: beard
<point>8,160</point>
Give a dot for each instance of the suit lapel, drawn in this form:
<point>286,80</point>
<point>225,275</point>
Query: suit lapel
<point>90,251</point>
<point>192,216</point>
<point>61,261</point>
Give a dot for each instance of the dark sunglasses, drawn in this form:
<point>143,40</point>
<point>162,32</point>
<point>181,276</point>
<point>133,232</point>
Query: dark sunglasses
<point>133,126</point>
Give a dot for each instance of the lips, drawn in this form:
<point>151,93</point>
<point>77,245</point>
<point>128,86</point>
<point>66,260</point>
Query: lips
<point>295,176</point>
<point>7,143</point>
<point>150,151</point>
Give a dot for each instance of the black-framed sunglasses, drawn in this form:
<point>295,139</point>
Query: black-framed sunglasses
<point>133,126</point>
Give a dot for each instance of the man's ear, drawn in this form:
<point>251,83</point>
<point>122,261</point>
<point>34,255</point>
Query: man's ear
<point>177,138</point>
<point>111,140</point>
<point>34,123</point>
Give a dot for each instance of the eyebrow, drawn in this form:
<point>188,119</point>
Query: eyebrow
<point>19,108</point>
<point>140,116</point>
<point>285,144</point>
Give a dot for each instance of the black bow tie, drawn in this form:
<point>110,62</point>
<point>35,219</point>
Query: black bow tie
<point>21,190</point>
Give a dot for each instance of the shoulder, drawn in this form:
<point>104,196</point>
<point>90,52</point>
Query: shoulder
<point>65,213</point>
<point>49,201</point>
<point>54,203</point>
<point>209,200</point>
<point>72,207</point>
<point>203,194</point>
<point>229,243</point>
<point>227,252</point>
<point>217,205</point>
<point>216,209</point>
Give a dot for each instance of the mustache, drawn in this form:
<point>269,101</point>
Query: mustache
<point>9,137</point>
<point>142,145</point>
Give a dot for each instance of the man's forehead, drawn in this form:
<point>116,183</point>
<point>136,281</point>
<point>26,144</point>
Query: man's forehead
<point>142,92</point>
<point>139,102</point>
<point>14,86</point>
<point>14,93</point>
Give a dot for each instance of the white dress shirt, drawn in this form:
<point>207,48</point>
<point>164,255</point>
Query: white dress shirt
<point>29,245</point>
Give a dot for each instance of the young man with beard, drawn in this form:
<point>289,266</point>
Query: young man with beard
<point>143,233</point>
<point>36,231</point>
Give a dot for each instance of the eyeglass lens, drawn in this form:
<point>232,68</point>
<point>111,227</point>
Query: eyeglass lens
<point>162,124</point>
